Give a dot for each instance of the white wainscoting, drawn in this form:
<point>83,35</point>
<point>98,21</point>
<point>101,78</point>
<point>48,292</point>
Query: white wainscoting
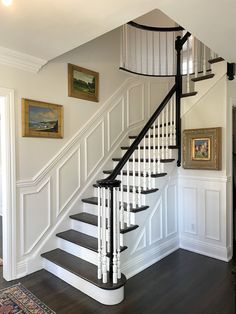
<point>157,235</point>
<point>202,216</point>
<point>47,200</point>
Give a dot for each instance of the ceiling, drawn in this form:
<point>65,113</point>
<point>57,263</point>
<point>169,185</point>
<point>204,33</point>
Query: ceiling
<point>46,29</point>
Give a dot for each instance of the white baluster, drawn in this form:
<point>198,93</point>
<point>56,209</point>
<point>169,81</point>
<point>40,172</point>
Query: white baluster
<point>144,164</point>
<point>104,253</point>
<point>149,159</point>
<point>118,239</point>
<point>195,57</point>
<point>139,176</point>
<point>162,134</point>
<point>158,146</point>
<point>188,72</point>
<point>174,120</point>
<point>167,131</point>
<point>204,59</point>
<point>121,201</point>
<point>128,197</point>
<point>154,148</point>
<point>108,223</point>
<point>114,222</point>
<point>134,175</point>
<point>99,235</point>
<point>171,119</point>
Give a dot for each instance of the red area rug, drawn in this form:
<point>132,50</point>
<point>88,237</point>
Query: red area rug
<point>18,300</point>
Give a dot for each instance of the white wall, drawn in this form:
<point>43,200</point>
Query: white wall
<point>204,210</point>
<point>50,84</point>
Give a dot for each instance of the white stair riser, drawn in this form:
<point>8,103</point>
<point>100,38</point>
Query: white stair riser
<point>144,197</point>
<point>162,141</point>
<point>165,155</point>
<point>107,297</point>
<point>78,251</point>
<point>164,167</point>
<point>84,227</point>
<point>154,181</point>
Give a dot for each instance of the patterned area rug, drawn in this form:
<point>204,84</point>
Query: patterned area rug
<point>18,300</point>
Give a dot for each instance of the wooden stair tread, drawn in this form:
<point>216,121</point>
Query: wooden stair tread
<point>93,220</point>
<point>80,268</point>
<point>94,201</point>
<point>142,147</point>
<point>188,94</point>
<point>146,160</point>
<point>82,239</point>
<point>86,217</point>
<point>153,175</point>
<point>147,191</point>
<point>215,60</point>
<point>151,136</point>
<point>169,123</point>
<point>204,77</point>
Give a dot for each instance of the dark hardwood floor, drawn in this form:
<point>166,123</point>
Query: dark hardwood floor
<point>182,283</point>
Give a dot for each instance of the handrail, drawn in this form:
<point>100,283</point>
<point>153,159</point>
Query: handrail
<point>139,138</point>
<point>155,29</point>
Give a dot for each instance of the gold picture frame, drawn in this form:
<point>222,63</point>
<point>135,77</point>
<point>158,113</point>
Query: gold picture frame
<point>83,83</point>
<point>202,149</point>
<point>41,119</point>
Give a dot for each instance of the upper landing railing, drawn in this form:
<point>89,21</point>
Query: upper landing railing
<point>151,51</point>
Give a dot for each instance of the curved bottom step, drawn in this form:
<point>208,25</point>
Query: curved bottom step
<point>82,275</point>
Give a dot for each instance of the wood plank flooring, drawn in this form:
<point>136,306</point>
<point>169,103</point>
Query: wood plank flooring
<point>182,283</point>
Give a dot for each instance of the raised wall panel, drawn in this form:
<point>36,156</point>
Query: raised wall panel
<point>212,214</point>
<point>157,92</point>
<point>68,180</point>
<point>94,148</point>
<point>115,118</point>
<point>141,242</point>
<point>35,216</point>
<point>171,210</point>
<point>135,104</point>
<point>190,210</point>
<point>155,224</point>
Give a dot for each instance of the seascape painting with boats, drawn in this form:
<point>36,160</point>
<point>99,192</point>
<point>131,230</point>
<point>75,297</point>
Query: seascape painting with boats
<point>43,119</point>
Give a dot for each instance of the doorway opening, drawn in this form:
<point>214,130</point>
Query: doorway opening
<point>8,182</point>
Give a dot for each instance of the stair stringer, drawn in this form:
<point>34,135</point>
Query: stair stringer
<point>157,235</point>
<point>203,87</point>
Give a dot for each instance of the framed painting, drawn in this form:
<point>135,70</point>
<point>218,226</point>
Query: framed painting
<point>83,83</point>
<point>202,149</point>
<point>41,119</point>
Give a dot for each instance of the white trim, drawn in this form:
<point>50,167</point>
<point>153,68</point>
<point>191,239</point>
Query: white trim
<point>222,179</point>
<point>208,249</point>
<point>20,60</point>
<point>8,183</point>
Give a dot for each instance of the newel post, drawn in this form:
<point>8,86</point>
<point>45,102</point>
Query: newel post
<point>178,81</point>
<point>108,229</point>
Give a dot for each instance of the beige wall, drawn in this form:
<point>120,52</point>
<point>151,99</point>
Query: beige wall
<point>50,85</point>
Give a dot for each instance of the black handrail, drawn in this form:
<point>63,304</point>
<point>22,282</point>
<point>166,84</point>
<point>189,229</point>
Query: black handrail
<point>139,138</point>
<point>156,29</point>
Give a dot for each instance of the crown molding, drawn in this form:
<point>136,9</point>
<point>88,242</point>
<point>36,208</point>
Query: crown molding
<point>20,60</point>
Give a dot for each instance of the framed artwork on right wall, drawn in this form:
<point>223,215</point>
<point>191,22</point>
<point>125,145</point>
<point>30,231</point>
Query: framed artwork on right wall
<point>202,149</point>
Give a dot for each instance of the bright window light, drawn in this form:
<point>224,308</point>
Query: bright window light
<point>7,2</point>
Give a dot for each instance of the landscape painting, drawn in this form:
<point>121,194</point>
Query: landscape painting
<point>82,83</point>
<point>40,119</point>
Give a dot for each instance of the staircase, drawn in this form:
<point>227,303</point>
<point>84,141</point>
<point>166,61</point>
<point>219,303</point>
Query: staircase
<point>89,255</point>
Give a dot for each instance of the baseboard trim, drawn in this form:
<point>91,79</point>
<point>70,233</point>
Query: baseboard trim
<point>150,257</point>
<point>208,249</point>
